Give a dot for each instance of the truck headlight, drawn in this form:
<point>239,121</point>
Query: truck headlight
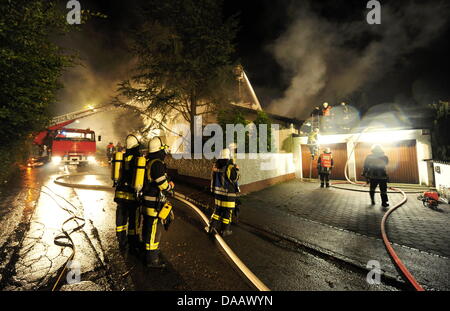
<point>56,160</point>
<point>91,159</point>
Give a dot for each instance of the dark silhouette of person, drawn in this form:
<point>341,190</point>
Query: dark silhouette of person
<point>375,172</point>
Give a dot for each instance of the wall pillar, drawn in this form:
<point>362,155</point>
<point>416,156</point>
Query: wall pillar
<point>297,150</point>
<point>351,159</point>
<point>423,150</point>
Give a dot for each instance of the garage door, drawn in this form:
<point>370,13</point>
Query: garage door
<point>339,152</point>
<point>402,156</point>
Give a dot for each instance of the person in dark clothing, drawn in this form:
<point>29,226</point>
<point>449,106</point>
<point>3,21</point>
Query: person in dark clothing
<point>110,150</point>
<point>375,172</point>
<point>224,185</point>
<point>125,197</point>
<point>157,187</point>
<point>119,147</point>
<point>324,166</point>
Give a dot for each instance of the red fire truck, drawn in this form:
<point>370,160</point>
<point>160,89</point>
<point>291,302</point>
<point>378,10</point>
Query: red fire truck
<point>73,146</point>
<point>64,145</point>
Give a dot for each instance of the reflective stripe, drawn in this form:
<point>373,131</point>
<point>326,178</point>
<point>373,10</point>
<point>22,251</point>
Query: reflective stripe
<point>164,186</point>
<point>228,194</point>
<point>153,246</point>
<point>121,228</point>
<point>225,203</point>
<point>151,212</point>
<point>160,179</point>
<point>125,196</point>
<point>151,199</point>
<point>226,221</point>
<point>222,191</point>
<point>216,217</point>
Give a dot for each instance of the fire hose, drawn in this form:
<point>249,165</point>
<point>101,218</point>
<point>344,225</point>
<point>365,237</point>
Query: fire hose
<point>64,239</point>
<point>393,255</point>
<point>247,273</point>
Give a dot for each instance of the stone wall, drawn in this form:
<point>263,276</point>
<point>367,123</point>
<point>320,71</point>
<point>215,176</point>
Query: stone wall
<point>257,170</point>
<point>442,178</point>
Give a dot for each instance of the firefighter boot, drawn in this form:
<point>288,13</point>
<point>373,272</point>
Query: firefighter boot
<point>134,244</point>
<point>322,185</point>
<point>214,224</point>
<point>123,243</point>
<point>327,185</point>
<point>226,230</point>
<point>372,197</point>
<point>153,260</point>
<point>384,199</point>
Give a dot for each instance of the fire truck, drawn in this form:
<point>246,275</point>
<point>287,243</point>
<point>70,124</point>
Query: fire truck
<point>62,145</point>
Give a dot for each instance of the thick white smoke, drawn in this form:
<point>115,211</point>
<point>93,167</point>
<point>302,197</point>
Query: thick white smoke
<point>326,61</point>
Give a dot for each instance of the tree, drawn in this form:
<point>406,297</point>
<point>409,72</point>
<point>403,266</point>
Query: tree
<point>233,116</point>
<point>263,119</point>
<point>440,130</point>
<point>183,51</point>
<point>30,65</point>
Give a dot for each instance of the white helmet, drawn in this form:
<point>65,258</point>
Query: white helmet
<point>131,142</point>
<point>327,150</point>
<point>225,154</point>
<point>155,144</point>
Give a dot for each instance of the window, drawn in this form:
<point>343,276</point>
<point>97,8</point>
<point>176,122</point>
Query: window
<point>74,136</point>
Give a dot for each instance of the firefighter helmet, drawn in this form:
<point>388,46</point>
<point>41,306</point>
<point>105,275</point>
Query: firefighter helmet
<point>155,144</point>
<point>225,154</point>
<point>377,149</point>
<point>327,150</point>
<point>131,142</point>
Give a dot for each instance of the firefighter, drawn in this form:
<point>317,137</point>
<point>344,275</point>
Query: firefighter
<point>313,142</point>
<point>127,218</point>
<point>324,166</point>
<point>375,172</point>
<point>326,110</point>
<point>224,185</point>
<point>233,150</point>
<point>110,150</point>
<point>156,210</point>
<point>119,147</point>
<point>326,116</point>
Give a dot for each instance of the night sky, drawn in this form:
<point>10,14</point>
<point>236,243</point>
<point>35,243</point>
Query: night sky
<point>411,73</point>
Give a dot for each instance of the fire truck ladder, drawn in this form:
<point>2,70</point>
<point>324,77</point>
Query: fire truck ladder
<point>76,115</point>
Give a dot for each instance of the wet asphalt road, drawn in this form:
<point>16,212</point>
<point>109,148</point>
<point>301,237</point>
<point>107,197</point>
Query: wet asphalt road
<point>32,213</point>
<point>33,210</point>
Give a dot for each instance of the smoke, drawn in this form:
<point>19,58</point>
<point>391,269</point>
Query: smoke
<point>330,61</point>
<point>93,80</point>
<point>103,62</point>
<point>126,123</point>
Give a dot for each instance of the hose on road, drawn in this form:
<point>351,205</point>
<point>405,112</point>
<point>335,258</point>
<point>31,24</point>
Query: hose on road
<point>64,239</point>
<point>249,275</point>
<point>387,243</point>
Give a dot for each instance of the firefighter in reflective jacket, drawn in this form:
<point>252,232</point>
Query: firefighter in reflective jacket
<point>225,188</point>
<point>156,210</point>
<point>127,218</point>
<point>324,166</point>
